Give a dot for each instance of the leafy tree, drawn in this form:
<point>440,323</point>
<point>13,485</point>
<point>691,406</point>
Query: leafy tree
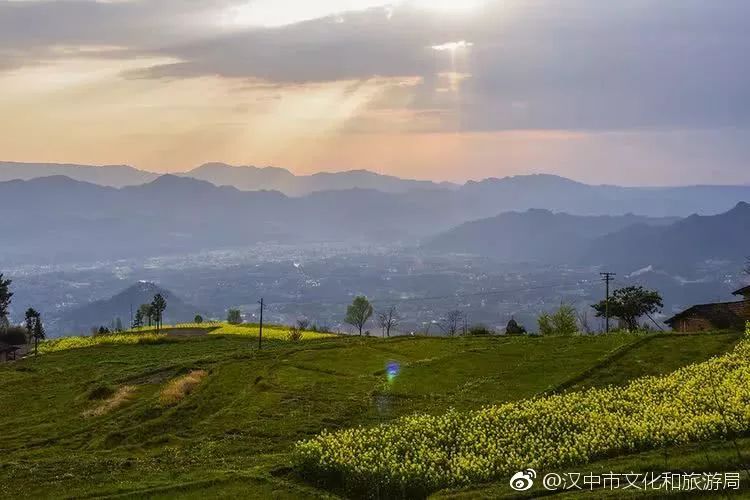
<point>234,317</point>
<point>629,304</point>
<point>34,327</point>
<point>451,322</point>
<point>561,322</point>
<point>513,328</point>
<point>198,319</point>
<point>147,312</point>
<point>358,313</point>
<point>5,296</point>
<point>388,320</point>
<point>138,320</point>
<point>159,305</point>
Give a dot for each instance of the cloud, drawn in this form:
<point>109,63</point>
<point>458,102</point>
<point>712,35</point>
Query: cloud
<point>534,64</point>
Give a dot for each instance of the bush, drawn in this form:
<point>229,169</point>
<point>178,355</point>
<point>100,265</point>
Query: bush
<point>295,334</point>
<point>480,330</point>
<point>13,335</point>
<point>562,322</point>
<point>198,319</point>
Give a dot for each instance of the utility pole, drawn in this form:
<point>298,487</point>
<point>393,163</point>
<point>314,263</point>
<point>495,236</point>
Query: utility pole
<point>607,278</point>
<point>260,331</point>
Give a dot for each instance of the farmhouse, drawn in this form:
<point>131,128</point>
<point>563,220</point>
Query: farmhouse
<point>718,316</point>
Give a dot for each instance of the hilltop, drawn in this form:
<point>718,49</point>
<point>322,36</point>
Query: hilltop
<point>121,305</point>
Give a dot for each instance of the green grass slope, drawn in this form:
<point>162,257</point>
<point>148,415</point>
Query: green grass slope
<point>89,422</point>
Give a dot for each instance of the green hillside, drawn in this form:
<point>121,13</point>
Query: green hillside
<point>93,421</point>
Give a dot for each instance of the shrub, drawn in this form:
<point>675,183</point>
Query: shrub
<point>198,319</point>
<point>480,330</point>
<point>295,334</point>
<point>562,322</point>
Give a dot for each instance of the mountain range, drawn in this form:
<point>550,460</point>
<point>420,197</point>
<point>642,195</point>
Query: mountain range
<point>624,242</point>
<point>478,198</point>
<point>535,235</point>
<point>245,178</point>
<point>59,220</point>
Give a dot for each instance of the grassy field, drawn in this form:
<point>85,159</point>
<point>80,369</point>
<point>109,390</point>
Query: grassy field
<point>93,422</point>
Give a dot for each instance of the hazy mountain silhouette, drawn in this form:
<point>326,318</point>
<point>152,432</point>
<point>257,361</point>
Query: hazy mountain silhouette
<point>534,235</point>
<point>108,175</point>
<point>273,178</point>
<point>245,178</point>
<point>103,312</point>
<point>57,219</point>
<point>560,194</point>
<point>690,241</point>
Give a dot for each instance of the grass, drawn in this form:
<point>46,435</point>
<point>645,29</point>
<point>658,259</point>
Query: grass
<point>177,389</point>
<point>116,400</point>
<point>232,435</point>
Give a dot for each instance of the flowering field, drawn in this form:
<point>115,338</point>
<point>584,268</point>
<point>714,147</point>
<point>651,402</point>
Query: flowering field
<point>65,343</point>
<point>269,332</point>
<point>416,455</point>
<point>277,332</point>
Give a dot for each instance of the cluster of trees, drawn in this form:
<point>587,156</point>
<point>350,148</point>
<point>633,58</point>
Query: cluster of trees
<point>151,314</point>
<point>361,310</point>
<point>33,330</point>
<point>628,305</point>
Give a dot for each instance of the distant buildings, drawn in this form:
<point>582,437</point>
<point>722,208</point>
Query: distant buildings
<point>718,316</point>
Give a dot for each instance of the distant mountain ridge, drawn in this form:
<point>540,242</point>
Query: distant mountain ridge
<point>245,178</point>
<point>535,235</point>
<point>59,220</point>
<point>473,200</point>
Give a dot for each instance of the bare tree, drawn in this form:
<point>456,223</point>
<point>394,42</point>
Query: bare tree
<point>388,320</point>
<point>450,324</point>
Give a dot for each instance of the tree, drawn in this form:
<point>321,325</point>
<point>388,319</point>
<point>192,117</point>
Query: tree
<point>147,312</point>
<point>513,328</point>
<point>234,317</point>
<point>358,313</point>
<point>5,296</point>
<point>34,327</point>
<point>449,325</point>
<point>159,305</point>
<point>198,319</point>
<point>138,320</point>
<point>303,324</point>
<point>629,304</point>
<point>118,324</point>
<point>561,322</point>
<point>388,320</point>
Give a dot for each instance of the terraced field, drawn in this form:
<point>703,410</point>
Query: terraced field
<point>93,421</point>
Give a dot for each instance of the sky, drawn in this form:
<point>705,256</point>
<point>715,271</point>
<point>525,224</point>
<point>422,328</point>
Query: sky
<point>635,92</point>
